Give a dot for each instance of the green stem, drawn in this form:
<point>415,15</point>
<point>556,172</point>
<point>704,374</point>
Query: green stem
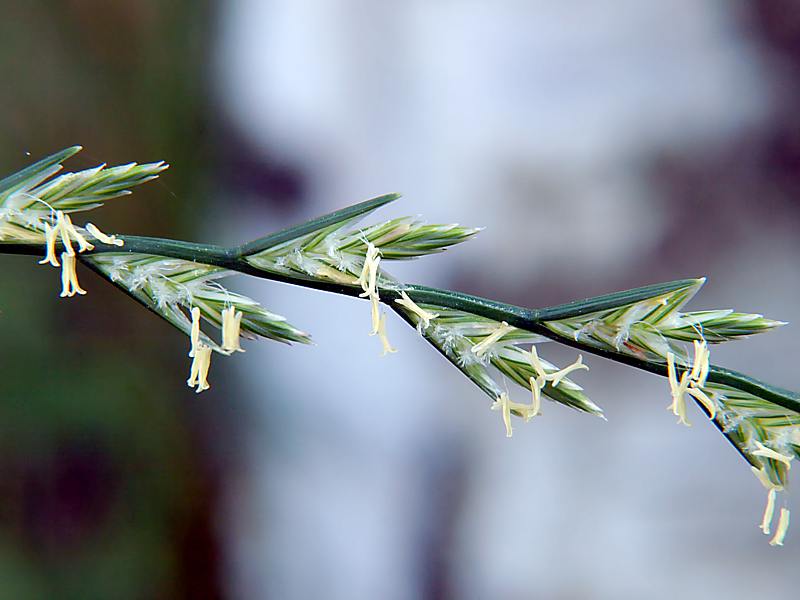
<point>532,320</point>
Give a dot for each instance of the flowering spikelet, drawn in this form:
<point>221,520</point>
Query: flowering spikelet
<point>201,362</point>
<point>425,317</point>
<point>231,327</point>
<point>69,277</point>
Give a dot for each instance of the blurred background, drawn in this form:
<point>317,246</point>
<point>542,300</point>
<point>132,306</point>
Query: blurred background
<point>604,146</point>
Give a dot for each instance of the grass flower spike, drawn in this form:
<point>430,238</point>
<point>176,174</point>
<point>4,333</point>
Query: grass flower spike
<point>489,342</point>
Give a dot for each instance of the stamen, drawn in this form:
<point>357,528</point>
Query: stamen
<point>195,336</point>
<point>576,366</point>
<point>335,275</point>
<point>63,228</point>
<point>783,527</point>
<point>50,235</point>
<point>69,277</point>
<point>769,509</point>
<point>201,362</point>
<point>502,403</point>
<point>538,368</point>
<point>387,347</point>
<point>368,281</point>
<point>766,452</point>
<point>106,239</point>
<point>536,400</point>
<point>762,476</point>
<point>68,230</point>
<point>482,347</point>
<point>231,328</point>
<point>703,399</point>
<point>700,365</point>
<point>425,317</point>
<point>678,391</point>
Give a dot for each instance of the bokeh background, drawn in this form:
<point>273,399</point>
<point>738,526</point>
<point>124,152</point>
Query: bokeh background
<point>604,145</point>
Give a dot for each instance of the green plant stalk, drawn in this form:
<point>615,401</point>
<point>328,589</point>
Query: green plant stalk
<point>529,319</point>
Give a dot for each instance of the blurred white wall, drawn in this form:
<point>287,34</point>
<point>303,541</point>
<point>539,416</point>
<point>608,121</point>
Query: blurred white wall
<point>533,119</point>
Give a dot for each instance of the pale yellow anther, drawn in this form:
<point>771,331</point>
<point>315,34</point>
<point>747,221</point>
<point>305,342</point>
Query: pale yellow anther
<point>100,236</point>
<point>368,281</point>
<point>678,391</point>
<point>201,362</point>
<point>69,277</point>
<point>761,475</point>
<point>50,233</point>
<point>503,403</point>
<point>195,335</point>
<point>703,399</point>
<point>68,231</point>
<point>369,272</point>
<point>558,376</point>
<point>538,368</point>
<point>769,510</point>
<point>483,346</point>
<point>336,275</point>
<point>387,347</point>
<point>425,317</point>
<point>766,452</point>
<point>374,314</point>
<point>63,226</point>
<point>783,527</point>
<point>536,399</point>
<point>231,329</point>
<point>700,364</point>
